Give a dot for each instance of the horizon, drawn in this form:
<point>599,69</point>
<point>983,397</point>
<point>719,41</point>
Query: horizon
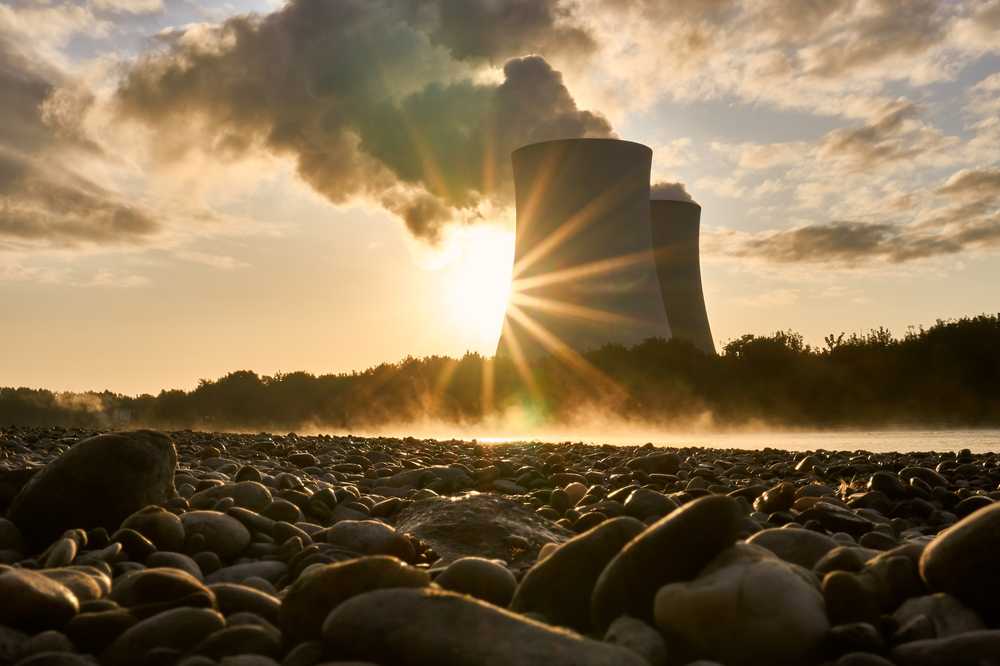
<point>187,189</point>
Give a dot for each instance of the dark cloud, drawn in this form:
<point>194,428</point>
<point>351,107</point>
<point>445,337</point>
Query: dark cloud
<point>492,29</point>
<point>669,192</point>
<point>974,184</point>
<point>41,202</point>
<point>371,98</point>
<point>895,134</point>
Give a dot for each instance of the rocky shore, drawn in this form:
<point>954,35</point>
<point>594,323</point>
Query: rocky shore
<point>192,549</point>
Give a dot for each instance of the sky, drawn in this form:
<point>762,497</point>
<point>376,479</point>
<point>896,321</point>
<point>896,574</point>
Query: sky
<point>191,188</point>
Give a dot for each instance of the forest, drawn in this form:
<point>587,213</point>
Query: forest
<point>946,375</point>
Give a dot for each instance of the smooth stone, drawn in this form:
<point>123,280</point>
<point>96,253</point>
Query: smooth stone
<point>235,598</point>
<point>242,639</point>
<point>656,463</point>
<point>160,526</point>
<point>483,579</point>
<point>411,627</point>
<point>56,658</point>
<point>223,535</point>
<point>962,561</point>
<point>93,632</point>
<point>975,648</point>
<point>559,586</point>
<point>794,544</point>
<point>269,570</point>
<point>947,615</point>
<point>369,537</point>
<point>643,503</point>
<point>47,641</point>
<point>84,586</point>
<point>317,592</point>
<point>176,629</point>
<point>250,495</point>
<point>32,601</point>
<point>11,644</point>
<point>61,553</point>
<point>152,591</point>
<point>639,637</point>
<point>673,549</point>
<point>862,659</point>
<point>575,492</point>
<point>745,608</point>
<point>98,482</point>
<point>168,559</point>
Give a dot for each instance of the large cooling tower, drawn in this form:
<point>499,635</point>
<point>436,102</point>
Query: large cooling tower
<point>675,238</point>
<point>584,273</point>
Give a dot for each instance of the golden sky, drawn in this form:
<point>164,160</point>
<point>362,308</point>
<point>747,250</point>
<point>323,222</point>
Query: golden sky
<point>188,189</point>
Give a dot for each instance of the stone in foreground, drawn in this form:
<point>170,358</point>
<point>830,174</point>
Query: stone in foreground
<point>411,627</point>
<point>99,482</point>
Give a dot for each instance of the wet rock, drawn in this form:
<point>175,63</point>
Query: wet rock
<point>656,463</point>
<point>644,503</point>
<point>488,580</point>
<point>244,639</point>
<point>98,482</point>
<point>93,632</point>
<point>744,609</point>
<point>778,498</point>
<point>559,587</point>
<point>310,598</point>
<point>671,550</point>
<point>482,525</point>
<point>410,627</point>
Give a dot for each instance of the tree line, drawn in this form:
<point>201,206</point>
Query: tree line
<point>947,375</point>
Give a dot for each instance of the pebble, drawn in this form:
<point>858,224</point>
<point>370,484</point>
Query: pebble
<point>310,598</point>
<point>962,561</point>
<point>487,580</point>
<point>33,601</point>
<point>592,533</point>
<point>223,535</point>
<point>673,549</point>
<point>733,611</point>
<point>559,586</point>
<point>410,627</point>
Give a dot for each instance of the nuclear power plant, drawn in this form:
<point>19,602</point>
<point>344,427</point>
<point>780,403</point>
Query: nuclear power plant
<point>675,228</point>
<point>590,268</point>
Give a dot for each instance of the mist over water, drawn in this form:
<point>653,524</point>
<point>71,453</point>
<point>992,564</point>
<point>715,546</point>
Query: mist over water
<point>625,434</point>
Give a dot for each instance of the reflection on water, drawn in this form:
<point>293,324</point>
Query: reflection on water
<point>978,441</point>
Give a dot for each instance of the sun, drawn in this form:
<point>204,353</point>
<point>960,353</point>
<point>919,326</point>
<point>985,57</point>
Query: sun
<point>477,284</point>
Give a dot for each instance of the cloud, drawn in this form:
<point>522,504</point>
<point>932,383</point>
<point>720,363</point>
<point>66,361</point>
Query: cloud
<point>41,202</point>
<point>975,184</point>
<point>128,6</point>
<point>371,99</point>
<point>894,135</point>
<point>669,192</point>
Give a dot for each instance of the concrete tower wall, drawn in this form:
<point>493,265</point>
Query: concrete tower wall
<point>584,273</point>
<point>675,230</point>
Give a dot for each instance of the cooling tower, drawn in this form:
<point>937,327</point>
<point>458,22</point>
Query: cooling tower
<point>675,238</point>
<point>584,273</point>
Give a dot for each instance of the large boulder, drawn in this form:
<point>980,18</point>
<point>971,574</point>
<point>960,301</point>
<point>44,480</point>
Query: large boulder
<point>962,561</point>
<point>411,627</point>
<point>98,482</point>
<point>480,525</point>
<point>747,607</point>
<point>559,586</point>
<point>673,549</point>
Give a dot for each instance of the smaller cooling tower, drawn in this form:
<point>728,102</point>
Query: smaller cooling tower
<point>584,270</point>
<point>675,227</point>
